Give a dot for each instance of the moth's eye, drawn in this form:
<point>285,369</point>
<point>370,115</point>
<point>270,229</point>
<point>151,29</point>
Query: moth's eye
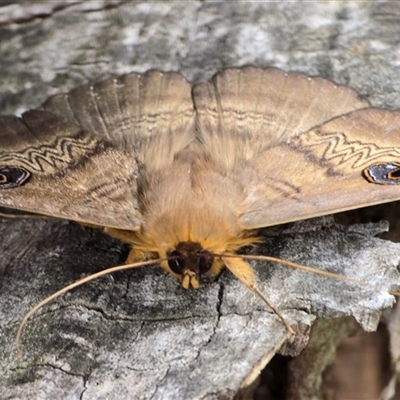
<point>11,177</point>
<point>205,261</point>
<point>177,264</point>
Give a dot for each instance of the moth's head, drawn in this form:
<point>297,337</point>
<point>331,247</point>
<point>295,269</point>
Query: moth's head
<point>188,253</point>
<point>188,261</point>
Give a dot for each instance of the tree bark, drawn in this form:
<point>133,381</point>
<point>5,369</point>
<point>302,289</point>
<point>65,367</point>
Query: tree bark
<point>138,334</point>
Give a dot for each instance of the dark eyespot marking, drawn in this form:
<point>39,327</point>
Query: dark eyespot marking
<point>384,174</point>
<point>395,174</point>
<point>11,177</point>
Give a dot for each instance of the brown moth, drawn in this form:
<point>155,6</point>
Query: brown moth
<point>190,173</point>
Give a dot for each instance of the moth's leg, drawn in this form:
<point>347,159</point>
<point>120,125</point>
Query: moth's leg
<point>243,271</point>
<point>136,253</point>
<point>217,267</point>
<point>125,236</point>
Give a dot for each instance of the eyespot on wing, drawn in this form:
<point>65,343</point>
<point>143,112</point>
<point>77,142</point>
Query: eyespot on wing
<point>383,173</point>
<point>12,177</point>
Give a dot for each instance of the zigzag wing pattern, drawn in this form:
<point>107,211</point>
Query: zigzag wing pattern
<point>324,170</point>
<point>69,172</point>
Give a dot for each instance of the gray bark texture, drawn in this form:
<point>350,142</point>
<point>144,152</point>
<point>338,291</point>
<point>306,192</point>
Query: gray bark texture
<point>138,334</point>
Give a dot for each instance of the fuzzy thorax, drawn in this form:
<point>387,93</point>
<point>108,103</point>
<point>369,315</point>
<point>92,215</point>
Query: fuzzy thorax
<point>190,203</point>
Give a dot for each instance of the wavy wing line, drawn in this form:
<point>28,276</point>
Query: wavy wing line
<point>62,152</point>
<point>336,146</point>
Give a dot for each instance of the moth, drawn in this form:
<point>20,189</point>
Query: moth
<point>190,173</point>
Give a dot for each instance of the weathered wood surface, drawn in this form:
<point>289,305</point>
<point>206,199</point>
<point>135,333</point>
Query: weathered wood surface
<point>138,334</point>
